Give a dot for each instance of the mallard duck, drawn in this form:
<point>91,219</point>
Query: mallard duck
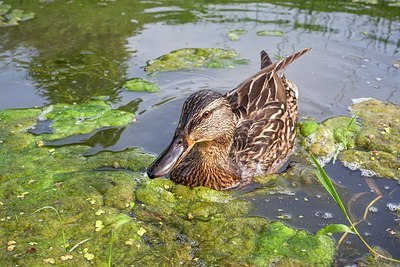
<point>223,140</point>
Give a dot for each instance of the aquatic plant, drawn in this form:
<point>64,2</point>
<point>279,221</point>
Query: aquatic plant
<point>335,228</point>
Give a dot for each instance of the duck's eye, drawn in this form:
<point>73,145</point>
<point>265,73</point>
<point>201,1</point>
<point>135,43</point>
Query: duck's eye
<point>206,114</point>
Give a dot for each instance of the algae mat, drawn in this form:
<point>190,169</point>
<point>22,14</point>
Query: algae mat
<point>369,142</point>
<point>61,206</point>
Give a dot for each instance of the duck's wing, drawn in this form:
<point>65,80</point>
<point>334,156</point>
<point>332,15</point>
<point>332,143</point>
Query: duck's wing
<point>260,104</point>
<point>261,89</point>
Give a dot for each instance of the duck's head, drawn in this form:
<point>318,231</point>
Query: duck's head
<point>206,116</point>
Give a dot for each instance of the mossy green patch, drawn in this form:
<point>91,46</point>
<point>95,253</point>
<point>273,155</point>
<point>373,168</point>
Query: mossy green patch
<point>377,163</point>
<point>381,126</point>
<point>321,142</point>
<point>140,85</point>
<point>376,147</point>
<point>344,130</point>
<point>371,145</point>
<point>280,245</point>
<point>105,198</point>
<point>188,58</point>
<point>82,118</point>
<point>307,128</point>
<point>133,159</point>
<point>13,126</point>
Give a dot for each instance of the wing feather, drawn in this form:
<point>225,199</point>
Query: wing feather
<point>266,113</point>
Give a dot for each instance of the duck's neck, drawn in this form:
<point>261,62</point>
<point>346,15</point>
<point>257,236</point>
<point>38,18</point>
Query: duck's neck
<point>208,165</point>
<point>214,153</point>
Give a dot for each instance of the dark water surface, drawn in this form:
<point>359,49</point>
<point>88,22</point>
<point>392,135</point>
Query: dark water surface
<point>76,50</point>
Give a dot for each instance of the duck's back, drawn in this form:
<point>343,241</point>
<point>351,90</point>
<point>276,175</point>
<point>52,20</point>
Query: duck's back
<point>265,106</point>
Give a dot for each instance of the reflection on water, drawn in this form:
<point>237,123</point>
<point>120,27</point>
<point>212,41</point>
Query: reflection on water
<point>76,50</point>
<point>72,51</point>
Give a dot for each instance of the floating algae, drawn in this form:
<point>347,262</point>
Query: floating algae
<point>140,85</point>
<point>153,221</point>
<point>188,58</point>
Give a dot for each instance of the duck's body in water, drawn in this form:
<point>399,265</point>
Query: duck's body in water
<point>223,140</point>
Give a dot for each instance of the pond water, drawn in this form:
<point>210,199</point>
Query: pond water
<point>73,51</point>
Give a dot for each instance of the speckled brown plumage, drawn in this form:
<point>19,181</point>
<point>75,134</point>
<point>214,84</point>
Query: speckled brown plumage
<point>228,139</point>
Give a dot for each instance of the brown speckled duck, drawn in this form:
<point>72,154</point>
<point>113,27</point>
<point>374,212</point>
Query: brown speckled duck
<point>223,140</point>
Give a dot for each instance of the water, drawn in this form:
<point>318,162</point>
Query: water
<point>73,51</point>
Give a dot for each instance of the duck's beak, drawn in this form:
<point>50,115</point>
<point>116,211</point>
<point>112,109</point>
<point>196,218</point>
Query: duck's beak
<point>172,155</point>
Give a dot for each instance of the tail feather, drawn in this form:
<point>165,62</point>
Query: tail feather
<point>265,59</point>
<point>286,61</point>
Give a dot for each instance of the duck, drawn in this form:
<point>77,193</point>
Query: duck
<point>222,141</point>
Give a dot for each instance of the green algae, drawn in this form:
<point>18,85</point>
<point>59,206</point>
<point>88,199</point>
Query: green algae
<point>189,58</point>
<point>133,159</point>
<point>270,33</point>
<point>280,245</point>
<point>140,85</point>
<point>307,128</point>
<point>344,130</point>
<point>152,221</point>
<point>234,35</point>
<point>12,17</point>
<point>371,145</point>
<point>13,125</point>
<point>380,163</point>
<point>82,118</point>
<point>321,142</point>
<point>381,123</point>
<point>325,138</point>
<point>376,148</point>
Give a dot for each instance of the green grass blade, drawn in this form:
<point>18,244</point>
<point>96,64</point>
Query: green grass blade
<point>59,219</point>
<point>335,228</point>
<point>110,249</point>
<point>327,183</point>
